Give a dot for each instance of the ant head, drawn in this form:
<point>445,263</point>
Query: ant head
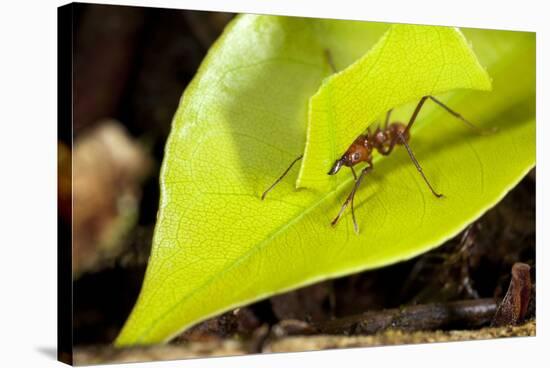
<point>355,154</point>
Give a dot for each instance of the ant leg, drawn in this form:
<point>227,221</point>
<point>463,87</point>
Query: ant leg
<point>353,172</point>
<point>462,118</point>
<point>387,119</point>
<point>450,111</point>
<point>418,167</point>
<point>330,60</point>
<point>350,197</point>
<point>281,177</point>
<point>415,114</point>
<point>391,146</point>
<point>352,203</point>
<point>355,226</point>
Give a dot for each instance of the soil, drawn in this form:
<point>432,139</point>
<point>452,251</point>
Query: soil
<point>234,346</point>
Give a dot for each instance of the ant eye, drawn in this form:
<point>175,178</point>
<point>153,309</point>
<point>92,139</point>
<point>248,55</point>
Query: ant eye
<point>356,156</point>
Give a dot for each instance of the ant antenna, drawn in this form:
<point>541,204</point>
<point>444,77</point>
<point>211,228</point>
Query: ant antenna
<point>281,177</point>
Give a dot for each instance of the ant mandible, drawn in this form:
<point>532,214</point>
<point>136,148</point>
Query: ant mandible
<point>384,141</point>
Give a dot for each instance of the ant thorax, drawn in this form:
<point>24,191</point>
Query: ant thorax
<point>383,139</point>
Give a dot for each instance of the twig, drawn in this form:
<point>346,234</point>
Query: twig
<point>459,314</point>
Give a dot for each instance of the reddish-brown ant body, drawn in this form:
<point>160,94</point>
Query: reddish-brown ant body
<point>382,140</point>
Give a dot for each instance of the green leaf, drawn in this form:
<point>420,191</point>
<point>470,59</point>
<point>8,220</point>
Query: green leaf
<point>243,120</point>
<point>409,62</point>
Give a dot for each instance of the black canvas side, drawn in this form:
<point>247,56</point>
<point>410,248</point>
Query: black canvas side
<point>65,29</point>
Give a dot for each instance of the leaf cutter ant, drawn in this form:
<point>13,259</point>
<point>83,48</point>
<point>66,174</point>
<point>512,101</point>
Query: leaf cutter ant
<point>384,141</point>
